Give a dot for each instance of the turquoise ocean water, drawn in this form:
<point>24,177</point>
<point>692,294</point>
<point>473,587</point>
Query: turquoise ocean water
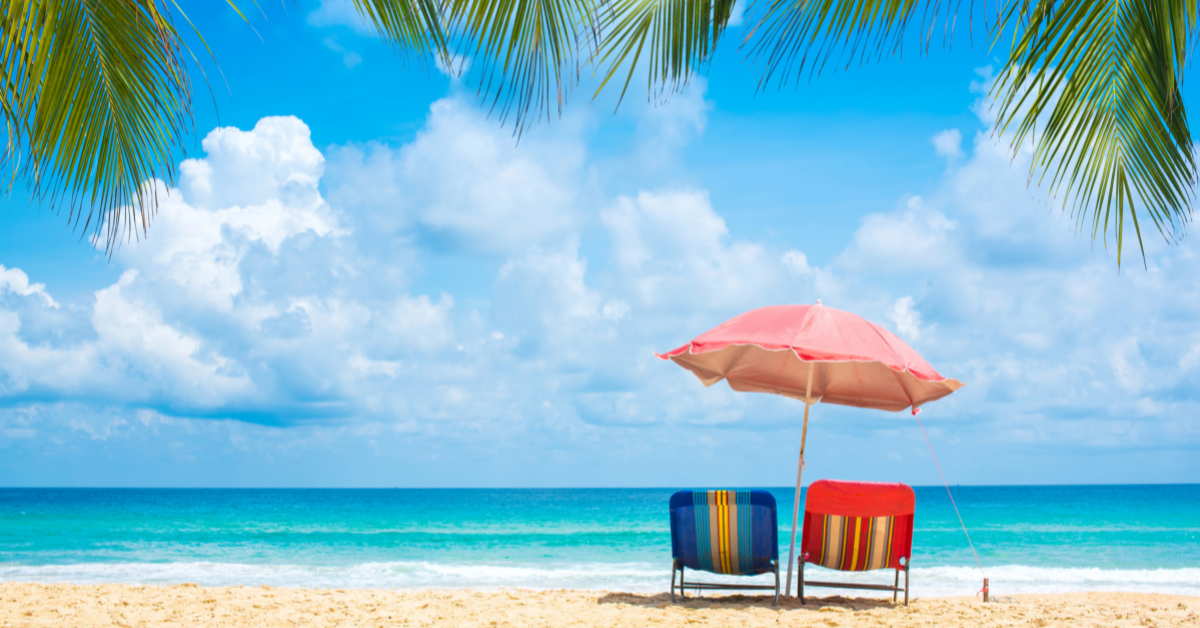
<point>1030,539</point>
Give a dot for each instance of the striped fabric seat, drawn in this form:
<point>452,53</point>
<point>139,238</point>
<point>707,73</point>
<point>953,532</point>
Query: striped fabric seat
<point>725,532</point>
<point>858,526</point>
<point>853,543</point>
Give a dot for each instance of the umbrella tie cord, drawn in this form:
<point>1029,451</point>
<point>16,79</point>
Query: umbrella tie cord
<point>917,414</point>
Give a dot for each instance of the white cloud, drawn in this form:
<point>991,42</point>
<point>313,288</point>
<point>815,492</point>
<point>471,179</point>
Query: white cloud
<point>350,58</point>
<point>796,262</point>
<point>419,322</point>
<point>15,280</point>
<point>916,238</point>
<point>669,125</point>
<point>455,67</point>
<point>467,184</point>
<point>1128,365</point>
<point>254,187</point>
<point>615,310</point>
<point>247,298</point>
<point>674,250</point>
<point>132,328</point>
<point>24,366</point>
<point>134,356</point>
<point>551,283</point>
<point>366,367</point>
<point>340,13</point>
<point>906,317</point>
<point>257,297</point>
<point>274,161</point>
<point>948,144</point>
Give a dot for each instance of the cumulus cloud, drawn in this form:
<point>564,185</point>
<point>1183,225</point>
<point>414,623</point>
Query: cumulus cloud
<point>797,262</point>
<point>466,184</point>
<point>915,238</point>
<point>674,250</point>
<point>15,280</point>
<point>261,298</point>
<point>254,188</point>
<point>948,144</point>
<point>906,317</point>
<point>134,357</point>
<point>247,299</point>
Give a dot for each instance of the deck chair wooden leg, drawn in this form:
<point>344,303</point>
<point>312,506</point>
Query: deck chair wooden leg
<point>800,580</point>
<point>674,568</point>
<point>895,586</point>
<point>776,602</point>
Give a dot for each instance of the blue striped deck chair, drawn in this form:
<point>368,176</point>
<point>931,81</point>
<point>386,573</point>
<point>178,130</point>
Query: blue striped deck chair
<point>724,532</point>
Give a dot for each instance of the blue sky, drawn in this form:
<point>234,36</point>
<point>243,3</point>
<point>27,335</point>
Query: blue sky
<point>359,279</point>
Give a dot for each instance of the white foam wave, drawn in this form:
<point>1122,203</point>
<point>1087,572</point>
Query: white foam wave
<point>632,577</point>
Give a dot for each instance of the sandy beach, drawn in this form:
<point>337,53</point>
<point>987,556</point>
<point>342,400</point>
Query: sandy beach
<point>24,604</point>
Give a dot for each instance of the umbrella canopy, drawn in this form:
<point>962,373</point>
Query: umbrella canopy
<point>816,354</point>
<point>772,349</point>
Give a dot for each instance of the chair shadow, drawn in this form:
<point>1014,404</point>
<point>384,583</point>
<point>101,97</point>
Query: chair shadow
<point>741,601</point>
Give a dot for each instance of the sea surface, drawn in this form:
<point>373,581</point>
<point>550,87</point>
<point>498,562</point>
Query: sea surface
<point>1029,538</point>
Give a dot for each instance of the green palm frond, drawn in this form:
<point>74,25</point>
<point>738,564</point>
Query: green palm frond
<point>1096,86</point>
<point>681,35</point>
<point>412,24</point>
<point>798,36</point>
<point>528,52</point>
<point>95,97</point>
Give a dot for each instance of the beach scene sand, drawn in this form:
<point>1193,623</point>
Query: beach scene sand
<point>599,313</point>
<point>191,605</point>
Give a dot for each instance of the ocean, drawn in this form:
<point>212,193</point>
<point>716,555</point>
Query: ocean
<point>1029,538</point>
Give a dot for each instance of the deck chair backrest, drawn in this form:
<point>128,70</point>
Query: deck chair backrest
<point>725,532</point>
<point>858,526</point>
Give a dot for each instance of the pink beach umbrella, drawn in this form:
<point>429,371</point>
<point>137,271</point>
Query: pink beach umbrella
<point>816,354</point>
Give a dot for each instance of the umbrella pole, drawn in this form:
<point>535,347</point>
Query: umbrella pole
<point>799,474</point>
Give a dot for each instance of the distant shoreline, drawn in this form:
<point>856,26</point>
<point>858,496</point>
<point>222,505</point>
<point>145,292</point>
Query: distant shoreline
<point>548,488</point>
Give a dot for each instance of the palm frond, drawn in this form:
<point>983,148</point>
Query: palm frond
<point>793,37</point>
<point>528,52</point>
<point>95,97</point>
<point>411,24</point>
<point>678,35</point>
<point>1095,86</point>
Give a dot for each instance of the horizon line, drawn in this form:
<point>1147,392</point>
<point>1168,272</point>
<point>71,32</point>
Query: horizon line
<point>544,488</point>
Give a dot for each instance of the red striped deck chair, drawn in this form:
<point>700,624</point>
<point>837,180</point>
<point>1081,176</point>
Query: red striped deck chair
<point>858,526</point>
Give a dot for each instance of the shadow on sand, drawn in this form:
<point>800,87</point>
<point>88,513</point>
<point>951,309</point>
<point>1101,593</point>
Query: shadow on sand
<point>749,601</point>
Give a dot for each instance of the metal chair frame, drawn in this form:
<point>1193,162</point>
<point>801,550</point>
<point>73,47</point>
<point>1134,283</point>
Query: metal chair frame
<point>712,586</point>
<point>895,588</point>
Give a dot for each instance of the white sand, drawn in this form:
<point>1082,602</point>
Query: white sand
<point>190,605</point>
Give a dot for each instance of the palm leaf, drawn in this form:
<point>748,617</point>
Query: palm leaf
<point>798,36</point>
<point>1096,84</point>
<point>95,98</point>
<point>412,24</point>
<point>678,36</point>
<point>528,51</point>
